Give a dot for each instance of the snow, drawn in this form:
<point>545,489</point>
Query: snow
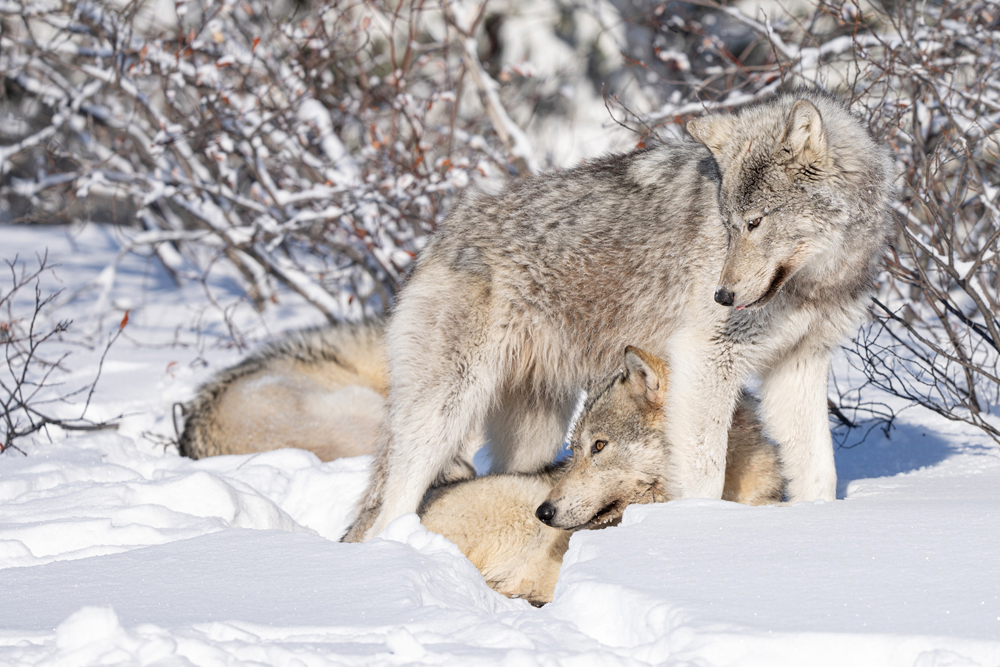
<point>114,550</point>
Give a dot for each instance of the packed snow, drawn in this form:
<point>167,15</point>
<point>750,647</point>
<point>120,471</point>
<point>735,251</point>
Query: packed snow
<point>115,550</point>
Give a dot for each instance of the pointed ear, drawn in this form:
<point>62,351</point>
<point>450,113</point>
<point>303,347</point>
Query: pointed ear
<point>804,138</point>
<point>713,131</point>
<point>647,374</point>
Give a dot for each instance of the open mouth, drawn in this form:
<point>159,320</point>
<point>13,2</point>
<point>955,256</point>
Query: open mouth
<point>780,275</point>
<point>606,516</point>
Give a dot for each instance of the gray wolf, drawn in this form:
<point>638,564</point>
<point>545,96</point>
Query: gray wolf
<point>286,396</point>
<point>750,254</point>
<point>619,447</point>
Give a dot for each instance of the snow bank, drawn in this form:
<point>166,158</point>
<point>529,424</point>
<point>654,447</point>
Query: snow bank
<point>879,581</point>
<point>103,495</point>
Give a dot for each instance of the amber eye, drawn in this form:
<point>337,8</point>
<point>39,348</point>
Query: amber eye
<point>753,224</point>
<point>598,446</point>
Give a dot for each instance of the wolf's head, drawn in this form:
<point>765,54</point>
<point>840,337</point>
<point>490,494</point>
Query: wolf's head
<point>801,181</point>
<point>619,449</point>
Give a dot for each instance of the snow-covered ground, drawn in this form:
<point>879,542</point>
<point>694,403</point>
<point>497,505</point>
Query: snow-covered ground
<point>114,550</point>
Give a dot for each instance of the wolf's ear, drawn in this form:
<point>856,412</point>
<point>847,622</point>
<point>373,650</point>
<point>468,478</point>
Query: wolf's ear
<point>713,131</point>
<point>647,374</point>
<point>804,138</point>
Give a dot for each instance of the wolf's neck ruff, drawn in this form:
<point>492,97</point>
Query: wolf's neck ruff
<point>564,270</point>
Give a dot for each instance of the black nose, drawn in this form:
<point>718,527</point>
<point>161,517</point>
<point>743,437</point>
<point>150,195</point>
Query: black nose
<point>545,512</point>
<point>724,297</point>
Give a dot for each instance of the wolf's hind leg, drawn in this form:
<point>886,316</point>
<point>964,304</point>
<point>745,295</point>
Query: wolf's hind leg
<point>526,428</point>
<point>371,502</point>
<point>424,441</point>
<point>444,376</point>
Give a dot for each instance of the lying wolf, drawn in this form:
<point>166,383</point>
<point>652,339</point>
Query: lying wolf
<point>287,395</point>
<point>321,389</point>
<point>619,446</point>
<point>751,254</point>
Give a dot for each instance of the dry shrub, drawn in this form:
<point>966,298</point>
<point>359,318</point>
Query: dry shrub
<point>32,395</point>
<point>314,148</point>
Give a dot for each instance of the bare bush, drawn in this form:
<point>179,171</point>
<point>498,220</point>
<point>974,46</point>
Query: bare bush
<point>312,148</point>
<point>29,392</point>
<point>937,339</point>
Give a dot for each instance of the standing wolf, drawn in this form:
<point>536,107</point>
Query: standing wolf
<point>753,257</point>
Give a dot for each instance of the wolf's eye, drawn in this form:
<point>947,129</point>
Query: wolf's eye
<point>753,224</point>
<point>598,446</point>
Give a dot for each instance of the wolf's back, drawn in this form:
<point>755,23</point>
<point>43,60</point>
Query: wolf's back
<point>318,389</point>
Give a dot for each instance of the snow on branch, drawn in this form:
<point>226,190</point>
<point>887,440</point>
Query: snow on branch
<point>510,134</point>
<point>315,147</point>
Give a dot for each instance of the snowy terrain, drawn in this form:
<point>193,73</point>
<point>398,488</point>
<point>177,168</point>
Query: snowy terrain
<point>114,550</point>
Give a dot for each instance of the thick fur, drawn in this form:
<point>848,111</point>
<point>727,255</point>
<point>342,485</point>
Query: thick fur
<point>287,395</point>
<point>493,520</point>
<point>522,297</point>
<point>621,449</point>
<point>321,389</point>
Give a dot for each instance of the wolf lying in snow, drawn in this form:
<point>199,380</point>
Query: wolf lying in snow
<point>619,444</point>
<point>287,396</point>
<point>318,389</point>
<point>321,389</point>
<point>751,254</point>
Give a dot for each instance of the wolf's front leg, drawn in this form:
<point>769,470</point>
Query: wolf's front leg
<point>704,386</point>
<point>794,409</point>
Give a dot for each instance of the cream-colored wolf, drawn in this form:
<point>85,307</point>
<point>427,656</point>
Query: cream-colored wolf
<point>619,449</point>
<point>319,389</point>
<point>322,390</point>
